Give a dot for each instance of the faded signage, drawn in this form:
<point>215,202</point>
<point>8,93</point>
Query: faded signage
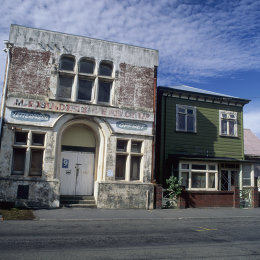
<point>135,126</point>
<point>80,109</point>
<point>130,127</point>
<point>30,116</point>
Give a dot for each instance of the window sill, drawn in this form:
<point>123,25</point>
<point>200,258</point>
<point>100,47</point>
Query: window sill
<point>180,131</point>
<point>229,136</point>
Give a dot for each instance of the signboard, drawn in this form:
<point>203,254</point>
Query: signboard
<point>27,117</point>
<point>130,127</point>
<point>30,116</point>
<point>79,109</point>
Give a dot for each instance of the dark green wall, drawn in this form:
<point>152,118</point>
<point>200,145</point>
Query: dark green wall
<point>207,137</point>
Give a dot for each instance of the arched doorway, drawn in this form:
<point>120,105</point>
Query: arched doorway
<point>77,164</point>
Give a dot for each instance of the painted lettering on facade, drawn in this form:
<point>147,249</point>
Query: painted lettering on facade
<point>79,109</point>
<point>30,116</point>
<point>135,126</point>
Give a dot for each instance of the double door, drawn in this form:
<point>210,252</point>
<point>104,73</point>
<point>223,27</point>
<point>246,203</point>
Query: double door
<point>77,173</point>
<point>228,179</point>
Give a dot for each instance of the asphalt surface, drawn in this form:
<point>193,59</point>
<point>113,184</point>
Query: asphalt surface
<point>103,214</point>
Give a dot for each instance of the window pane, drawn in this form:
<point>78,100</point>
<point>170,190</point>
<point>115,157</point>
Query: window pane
<point>231,128</point>
<point>36,162</point>
<point>136,147</point>
<point>181,122</point>
<point>105,69</point>
<point>86,67</point>
<point>121,145</point>
<point>21,138</point>
<point>185,166</point>
<point>120,166</point>
<point>224,115</point>
<point>65,86</point>
<point>104,92</point>
<point>135,168</point>
<point>38,139</point>
<point>190,111</point>
<point>198,180</point>
<point>246,174</point>
<point>223,127</point>
<point>185,180</point>
<point>212,167</point>
<point>246,182</point>
<point>190,124</point>
<point>85,89</point>
<point>182,110</point>
<point>18,160</point>
<point>198,166</point>
<point>211,180</point>
<point>246,167</point>
<point>67,64</point>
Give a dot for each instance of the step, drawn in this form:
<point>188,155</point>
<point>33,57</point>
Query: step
<point>77,197</point>
<point>92,206</point>
<point>77,201</point>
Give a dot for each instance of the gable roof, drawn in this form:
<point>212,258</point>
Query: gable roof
<point>251,143</point>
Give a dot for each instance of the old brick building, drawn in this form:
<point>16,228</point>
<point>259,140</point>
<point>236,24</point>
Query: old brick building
<point>77,120</point>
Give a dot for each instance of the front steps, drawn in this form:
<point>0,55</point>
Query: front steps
<point>78,201</point>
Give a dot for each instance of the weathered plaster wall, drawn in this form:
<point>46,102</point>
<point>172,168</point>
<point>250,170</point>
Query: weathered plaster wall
<point>43,194</point>
<point>125,195</point>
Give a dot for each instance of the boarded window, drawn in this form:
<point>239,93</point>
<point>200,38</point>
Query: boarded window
<point>65,86</point>
<point>19,155</point>
<point>136,147</point>
<point>135,168</point>
<point>120,166</point>
<point>36,162</point>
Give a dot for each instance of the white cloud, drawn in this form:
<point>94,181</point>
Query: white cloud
<point>194,40</point>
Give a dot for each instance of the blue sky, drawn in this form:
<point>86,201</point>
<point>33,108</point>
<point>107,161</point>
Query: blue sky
<point>212,45</point>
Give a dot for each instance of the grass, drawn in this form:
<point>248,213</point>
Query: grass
<point>17,214</point>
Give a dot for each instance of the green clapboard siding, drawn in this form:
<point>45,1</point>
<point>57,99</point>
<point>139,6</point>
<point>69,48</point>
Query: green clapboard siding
<point>207,140</point>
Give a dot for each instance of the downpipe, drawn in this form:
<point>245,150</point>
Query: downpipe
<point>6,49</point>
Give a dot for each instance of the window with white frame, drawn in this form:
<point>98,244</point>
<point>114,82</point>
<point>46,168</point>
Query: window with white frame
<point>247,176</point>
<point>78,81</point>
<point>227,123</point>
<point>196,176</point>
<point>128,160</point>
<point>186,118</point>
<point>28,152</point>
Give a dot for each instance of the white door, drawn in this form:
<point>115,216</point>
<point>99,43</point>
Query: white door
<point>77,173</point>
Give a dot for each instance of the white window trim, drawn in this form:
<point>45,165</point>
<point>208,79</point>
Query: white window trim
<point>207,171</point>
<point>95,77</point>
<point>194,122</point>
<point>129,154</point>
<point>228,119</point>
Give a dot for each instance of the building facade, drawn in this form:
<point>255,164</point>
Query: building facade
<point>78,118</point>
<point>200,140</point>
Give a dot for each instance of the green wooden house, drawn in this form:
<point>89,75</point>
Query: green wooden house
<point>199,138</point>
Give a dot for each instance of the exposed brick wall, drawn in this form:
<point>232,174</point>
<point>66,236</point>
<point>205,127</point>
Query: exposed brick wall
<point>255,197</point>
<point>158,196</point>
<point>30,71</point>
<point>197,199</point>
<point>136,86</point>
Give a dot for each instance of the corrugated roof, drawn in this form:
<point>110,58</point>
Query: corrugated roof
<point>251,143</point>
<point>197,90</point>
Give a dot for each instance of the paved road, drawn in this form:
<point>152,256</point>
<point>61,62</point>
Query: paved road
<point>204,238</point>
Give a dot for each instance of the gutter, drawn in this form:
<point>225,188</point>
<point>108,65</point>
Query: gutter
<point>6,49</point>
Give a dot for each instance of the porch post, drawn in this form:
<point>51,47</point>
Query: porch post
<point>236,199</point>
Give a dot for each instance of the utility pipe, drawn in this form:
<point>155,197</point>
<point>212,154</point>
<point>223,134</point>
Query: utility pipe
<point>6,49</point>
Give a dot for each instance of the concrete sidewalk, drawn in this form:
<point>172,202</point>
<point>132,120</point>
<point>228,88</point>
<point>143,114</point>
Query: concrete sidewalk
<point>103,214</point>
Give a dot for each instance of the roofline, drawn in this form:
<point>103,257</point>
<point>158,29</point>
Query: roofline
<point>222,96</point>
<point>84,37</point>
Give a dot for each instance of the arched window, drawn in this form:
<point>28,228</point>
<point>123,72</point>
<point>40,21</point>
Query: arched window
<point>66,80</point>
<point>86,66</point>
<point>67,63</point>
<point>105,69</point>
